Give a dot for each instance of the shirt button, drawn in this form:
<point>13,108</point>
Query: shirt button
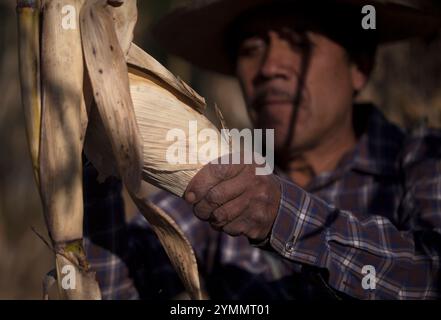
<point>289,247</point>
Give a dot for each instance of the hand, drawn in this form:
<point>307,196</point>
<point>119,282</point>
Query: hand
<point>235,200</point>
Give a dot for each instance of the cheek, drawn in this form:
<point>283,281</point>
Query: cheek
<point>330,84</point>
<point>245,72</point>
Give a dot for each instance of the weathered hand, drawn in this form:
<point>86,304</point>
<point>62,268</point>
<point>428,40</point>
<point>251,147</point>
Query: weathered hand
<point>235,200</point>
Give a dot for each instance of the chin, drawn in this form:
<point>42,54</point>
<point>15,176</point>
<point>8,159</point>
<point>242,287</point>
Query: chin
<point>297,144</point>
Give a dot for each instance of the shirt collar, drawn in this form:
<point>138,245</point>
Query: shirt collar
<point>376,153</point>
<point>380,144</point>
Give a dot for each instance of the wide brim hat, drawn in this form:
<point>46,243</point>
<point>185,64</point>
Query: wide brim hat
<point>196,31</point>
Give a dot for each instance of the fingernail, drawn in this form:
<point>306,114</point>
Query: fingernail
<point>190,197</point>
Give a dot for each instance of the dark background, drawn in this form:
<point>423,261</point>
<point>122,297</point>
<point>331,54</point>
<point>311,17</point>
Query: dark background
<point>406,84</point>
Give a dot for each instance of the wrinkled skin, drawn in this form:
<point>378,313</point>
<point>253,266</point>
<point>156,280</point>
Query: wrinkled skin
<point>270,61</point>
<point>235,200</point>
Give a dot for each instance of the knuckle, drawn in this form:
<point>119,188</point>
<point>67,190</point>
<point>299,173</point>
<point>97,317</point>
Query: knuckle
<point>246,204</point>
<point>232,231</point>
<point>261,194</point>
<point>253,234</point>
<point>201,211</point>
<point>214,196</point>
<point>218,216</point>
<point>219,171</point>
<point>241,228</point>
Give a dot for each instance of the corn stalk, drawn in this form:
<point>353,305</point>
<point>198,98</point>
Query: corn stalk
<point>52,91</point>
<point>121,119</point>
<point>28,14</point>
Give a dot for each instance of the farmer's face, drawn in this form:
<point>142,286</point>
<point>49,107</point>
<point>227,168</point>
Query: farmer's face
<point>272,60</point>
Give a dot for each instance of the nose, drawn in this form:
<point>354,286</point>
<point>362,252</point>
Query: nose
<point>278,60</point>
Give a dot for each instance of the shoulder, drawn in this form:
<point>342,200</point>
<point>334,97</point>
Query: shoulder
<point>421,145</point>
<point>421,161</point>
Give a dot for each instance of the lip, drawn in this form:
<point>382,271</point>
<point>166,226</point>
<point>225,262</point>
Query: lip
<point>281,103</point>
<point>275,101</point>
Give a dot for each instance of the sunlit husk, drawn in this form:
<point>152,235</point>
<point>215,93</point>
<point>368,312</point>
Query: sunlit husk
<point>162,115</point>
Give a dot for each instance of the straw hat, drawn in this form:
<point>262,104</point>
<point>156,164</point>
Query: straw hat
<point>197,31</point>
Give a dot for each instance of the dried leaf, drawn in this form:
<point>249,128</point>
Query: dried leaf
<point>108,74</point>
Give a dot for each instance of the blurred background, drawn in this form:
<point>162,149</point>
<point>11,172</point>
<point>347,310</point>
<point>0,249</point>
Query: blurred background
<point>406,85</point>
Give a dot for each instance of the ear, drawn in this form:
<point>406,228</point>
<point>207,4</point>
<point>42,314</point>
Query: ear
<point>361,69</point>
<point>358,77</point>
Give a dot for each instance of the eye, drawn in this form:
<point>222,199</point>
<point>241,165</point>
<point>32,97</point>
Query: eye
<point>298,41</point>
<point>251,46</point>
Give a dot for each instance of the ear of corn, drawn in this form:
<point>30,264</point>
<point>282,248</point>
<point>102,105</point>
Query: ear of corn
<point>142,63</point>
<point>158,111</point>
<point>163,103</point>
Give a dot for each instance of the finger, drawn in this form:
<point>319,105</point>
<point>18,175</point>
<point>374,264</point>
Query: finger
<point>220,194</point>
<point>236,228</point>
<point>229,212</point>
<point>208,177</point>
<point>203,210</point>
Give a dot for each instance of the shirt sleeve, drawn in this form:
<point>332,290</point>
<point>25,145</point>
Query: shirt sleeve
<point>368,257</point>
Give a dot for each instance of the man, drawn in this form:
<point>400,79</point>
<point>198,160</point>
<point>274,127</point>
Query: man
<point>354,210</point>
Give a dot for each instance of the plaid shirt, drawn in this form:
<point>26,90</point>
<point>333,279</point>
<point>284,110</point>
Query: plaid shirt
<point>379,209</point>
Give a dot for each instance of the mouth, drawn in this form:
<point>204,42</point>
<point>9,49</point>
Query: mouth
<point>275,101</point>
<point>275,97</point>
<point>273,112</point>
<point>266,105</point>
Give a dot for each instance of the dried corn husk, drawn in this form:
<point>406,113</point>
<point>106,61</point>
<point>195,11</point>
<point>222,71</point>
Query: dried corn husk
<point>158,110</point>
<point>107,71</point>
<point>124,20</point>
<point>175,244</point>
